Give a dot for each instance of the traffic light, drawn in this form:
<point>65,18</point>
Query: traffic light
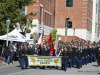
<point>66,22</point>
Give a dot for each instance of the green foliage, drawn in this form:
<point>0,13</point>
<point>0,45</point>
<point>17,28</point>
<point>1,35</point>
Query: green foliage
<point>27,30</point>
<point>54,34</point>
<point>58,36</point>
<point>23,8</point>
<point>11,9</point>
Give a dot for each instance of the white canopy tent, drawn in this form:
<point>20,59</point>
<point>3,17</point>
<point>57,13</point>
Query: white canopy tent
<point>15,36</point>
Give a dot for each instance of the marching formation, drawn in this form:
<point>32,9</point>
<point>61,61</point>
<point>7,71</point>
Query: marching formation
<point>79,54</point>
<point>73,54</point>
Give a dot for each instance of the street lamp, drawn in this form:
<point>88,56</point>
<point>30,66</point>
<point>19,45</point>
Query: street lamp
<point>66,23</point>
<point>7,23</point>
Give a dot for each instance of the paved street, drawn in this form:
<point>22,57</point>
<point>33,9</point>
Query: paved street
<point>13,69</point>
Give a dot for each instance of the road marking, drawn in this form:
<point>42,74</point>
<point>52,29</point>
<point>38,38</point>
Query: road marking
<point>20,72</point>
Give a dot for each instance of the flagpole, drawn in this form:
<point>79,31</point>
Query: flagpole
<point>56,43</point>
<point>42,29</point>
<point>50,31</point>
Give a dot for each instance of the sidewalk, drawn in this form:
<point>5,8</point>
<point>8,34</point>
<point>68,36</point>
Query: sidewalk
<point>2,64</point>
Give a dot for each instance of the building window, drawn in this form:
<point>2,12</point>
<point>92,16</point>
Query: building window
<point>45,19</point>
<point>50,20</point>
<point>40,15</point>
<point>87,24</point>
<point>69,3</point>
<point>89,4</point>
<point>96,28</point>
<point>96,8</point>
<point>49,1</point>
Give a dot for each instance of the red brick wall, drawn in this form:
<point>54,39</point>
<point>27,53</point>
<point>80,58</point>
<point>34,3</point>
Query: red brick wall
<point>34,9</point>
<point>49,6</point>
<point>69,38</point>
<point>77,14</point>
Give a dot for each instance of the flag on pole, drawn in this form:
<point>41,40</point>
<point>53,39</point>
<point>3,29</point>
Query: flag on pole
<point>39,40</point>
<point>42,39</point>
<point>50,43</point>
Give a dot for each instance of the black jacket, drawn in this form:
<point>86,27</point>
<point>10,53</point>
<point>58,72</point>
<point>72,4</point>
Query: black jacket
<point>79,54</point>
<point>43,52</point>
<point>98,55</point>
<point>47,53</point>
<point>65,55</point>
<point>39,50</point>
<point>30,51</point>
<point>23,53</point>
<point>7,52</point>
<point>83,53</point>
<point>71,54</point>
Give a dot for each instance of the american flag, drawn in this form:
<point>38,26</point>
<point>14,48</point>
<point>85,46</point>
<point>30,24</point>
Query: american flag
<point>42,39</point>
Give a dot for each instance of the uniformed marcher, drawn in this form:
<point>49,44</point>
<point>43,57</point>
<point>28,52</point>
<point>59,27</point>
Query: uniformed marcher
<point>98,57</point>
<point>43,51</point>
<point>29,50</point>
<point>79,58</point>
<point>90,53</point>
<point>39,50</point>
<point>83,56</point>
<point>19,54</point>
<point>86,55</point>
<point>70,53</point>
<point>74,58</point>
<point>93,54</point>
<point>24,60</point>
<point>65,59</point>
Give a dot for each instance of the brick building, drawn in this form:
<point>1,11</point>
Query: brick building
<point>82,15</point>
<point>45,16</point>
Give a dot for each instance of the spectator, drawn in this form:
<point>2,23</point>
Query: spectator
<point>7,54</point>
<point>15,51</point>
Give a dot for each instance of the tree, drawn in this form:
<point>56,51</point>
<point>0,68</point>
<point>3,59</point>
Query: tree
<point>11,9</point>
<point>54,34</point>
<point>25,22</point>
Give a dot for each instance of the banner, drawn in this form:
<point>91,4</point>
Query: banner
<point>44,61</point>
